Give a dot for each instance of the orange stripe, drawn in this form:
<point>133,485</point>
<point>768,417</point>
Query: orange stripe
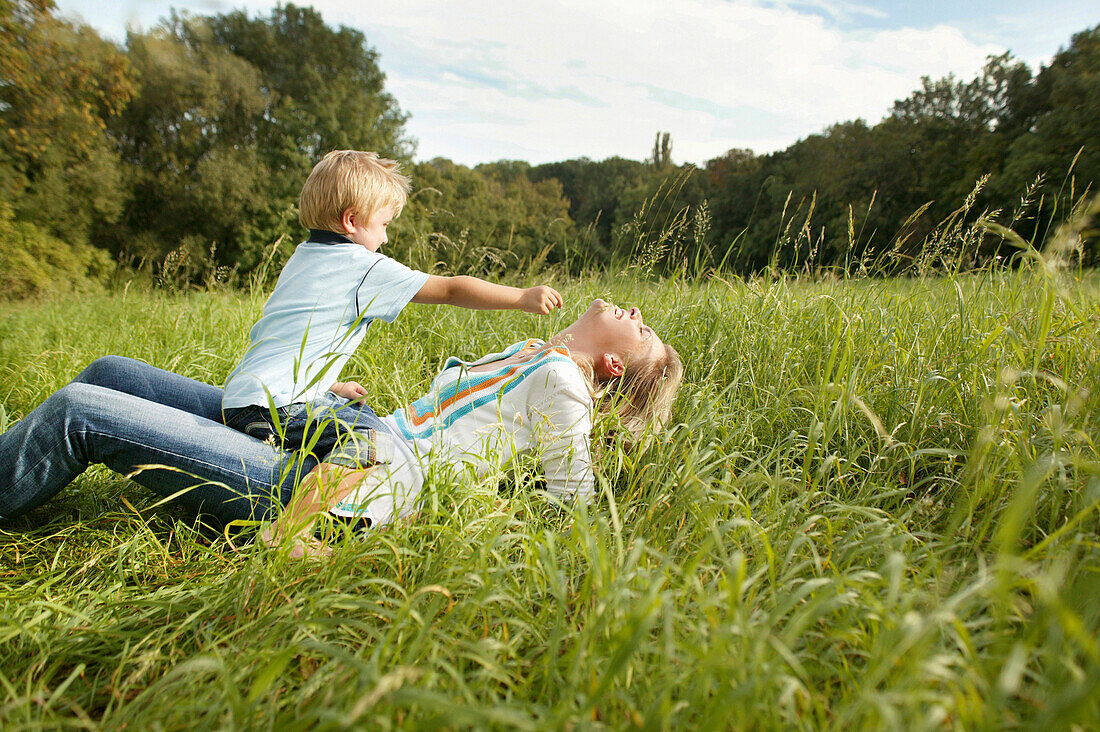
<point>418,420</point>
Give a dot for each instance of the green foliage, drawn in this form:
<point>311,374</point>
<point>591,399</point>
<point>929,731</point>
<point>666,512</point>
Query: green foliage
<point>33,262</point>
<point>876,508</point>
<point>1061,143</point>
<point>231,115</point>
<point>196,137</point>
<point>595,191</point>
<point>485,220</point>
<point>327,91</point>
<point>1028,142</point>
<point>59,85</point>
<point>666,228</point>
<point>188,141</point>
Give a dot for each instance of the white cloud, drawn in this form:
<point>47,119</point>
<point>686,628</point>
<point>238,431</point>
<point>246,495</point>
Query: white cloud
<point>547,80</point>
<point>716,74</point>
<point>839,8</point>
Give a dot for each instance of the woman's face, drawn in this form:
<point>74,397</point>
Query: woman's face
<point>620,332</point>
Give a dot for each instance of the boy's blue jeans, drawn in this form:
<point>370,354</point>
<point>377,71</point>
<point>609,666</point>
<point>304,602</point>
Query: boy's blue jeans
<point>162,429</point>
<point>330,428</point>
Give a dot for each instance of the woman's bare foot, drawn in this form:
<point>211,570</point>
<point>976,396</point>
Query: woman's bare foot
<point>308,547</point>
<point>268,536</point>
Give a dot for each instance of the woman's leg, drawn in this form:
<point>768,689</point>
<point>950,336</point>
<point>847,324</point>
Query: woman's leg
<point>219,471</point>
<point>156,385</point>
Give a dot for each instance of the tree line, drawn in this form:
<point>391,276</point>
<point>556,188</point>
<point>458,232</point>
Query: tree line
<point>180,152</point>
<point>1010,146</point>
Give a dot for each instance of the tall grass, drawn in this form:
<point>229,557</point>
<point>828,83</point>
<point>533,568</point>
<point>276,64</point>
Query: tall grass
<point>876,507</point>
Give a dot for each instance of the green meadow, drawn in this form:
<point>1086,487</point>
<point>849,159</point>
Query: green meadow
<point>876,507</point>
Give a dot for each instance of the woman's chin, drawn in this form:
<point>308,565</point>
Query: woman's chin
<point>589,316</point>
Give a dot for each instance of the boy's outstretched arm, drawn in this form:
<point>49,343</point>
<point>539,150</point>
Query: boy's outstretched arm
<point>470,292</point>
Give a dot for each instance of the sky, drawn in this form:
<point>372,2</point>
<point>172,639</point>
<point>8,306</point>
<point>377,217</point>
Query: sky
<point>551,80</point>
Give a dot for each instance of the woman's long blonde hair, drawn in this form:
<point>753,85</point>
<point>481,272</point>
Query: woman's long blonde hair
<point>639,401</point>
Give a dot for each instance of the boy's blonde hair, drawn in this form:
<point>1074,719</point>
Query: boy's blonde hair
<point>350,179</point>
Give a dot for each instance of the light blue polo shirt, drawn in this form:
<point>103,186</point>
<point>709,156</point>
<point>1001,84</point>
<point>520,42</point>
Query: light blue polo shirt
<point>328,294</point>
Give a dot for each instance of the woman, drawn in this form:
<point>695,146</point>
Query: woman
<point>164,430</point>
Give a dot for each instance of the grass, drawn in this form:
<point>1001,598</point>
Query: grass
<point>877,508</point>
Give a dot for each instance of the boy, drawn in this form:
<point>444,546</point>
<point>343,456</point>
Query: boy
<point>329,292</point>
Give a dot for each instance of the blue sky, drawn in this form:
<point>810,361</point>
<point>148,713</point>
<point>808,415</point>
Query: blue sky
<point>1031,30</point>
<point>546,80</point>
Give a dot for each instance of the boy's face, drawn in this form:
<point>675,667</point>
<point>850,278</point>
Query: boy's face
<point>369,232</point>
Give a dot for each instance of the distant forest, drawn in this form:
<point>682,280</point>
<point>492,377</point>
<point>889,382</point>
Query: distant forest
<point>181,153</point>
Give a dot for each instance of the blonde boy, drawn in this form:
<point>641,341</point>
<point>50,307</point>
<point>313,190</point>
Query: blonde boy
<point>332,288</point>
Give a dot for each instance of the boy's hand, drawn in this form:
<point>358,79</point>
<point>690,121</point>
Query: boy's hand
<point>348,389</point>
<point>539,300</point>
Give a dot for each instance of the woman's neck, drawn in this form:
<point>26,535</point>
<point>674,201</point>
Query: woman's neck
<point>581,351</point>
<point>577,345</point>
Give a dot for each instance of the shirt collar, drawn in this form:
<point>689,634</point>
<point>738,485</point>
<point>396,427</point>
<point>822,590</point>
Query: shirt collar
<point>321,236</point>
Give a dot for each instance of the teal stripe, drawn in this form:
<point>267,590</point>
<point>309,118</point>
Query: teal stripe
<point>459,384</point>
<point>459,412</point>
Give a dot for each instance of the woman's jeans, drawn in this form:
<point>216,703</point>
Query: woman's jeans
<point>161,429</point>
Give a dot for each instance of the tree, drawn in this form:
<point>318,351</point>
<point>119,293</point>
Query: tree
<point>1064,121</point>
<point>59,86</point>
<point>595,193</point>
<point>190,144</point>
<point>734,185</point>
<point>662,151</point>
<point>325,89</point>
<point>959,131</point>
<point>232,114</point>
<point>494,215</point>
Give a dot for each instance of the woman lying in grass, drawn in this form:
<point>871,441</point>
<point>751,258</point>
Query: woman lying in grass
<point>165,431</point>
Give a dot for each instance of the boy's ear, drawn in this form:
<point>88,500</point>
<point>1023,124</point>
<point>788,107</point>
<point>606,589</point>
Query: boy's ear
<point>347,220</point>
<point>612,365</point>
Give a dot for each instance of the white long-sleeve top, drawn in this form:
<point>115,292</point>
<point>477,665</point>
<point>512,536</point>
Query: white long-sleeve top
<point>483,419</point>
